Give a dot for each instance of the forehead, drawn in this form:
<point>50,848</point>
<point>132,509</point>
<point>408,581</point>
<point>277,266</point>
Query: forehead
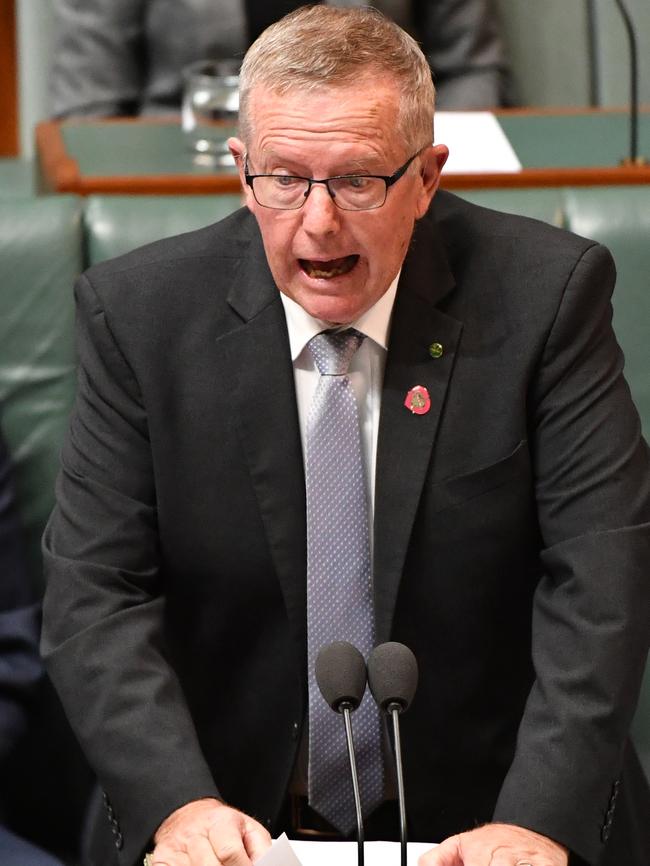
<point>341,119</point>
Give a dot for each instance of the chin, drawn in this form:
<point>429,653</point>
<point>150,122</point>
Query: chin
<point>332,313</point>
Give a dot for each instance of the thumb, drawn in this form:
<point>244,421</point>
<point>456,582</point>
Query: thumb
<point>448,853</point>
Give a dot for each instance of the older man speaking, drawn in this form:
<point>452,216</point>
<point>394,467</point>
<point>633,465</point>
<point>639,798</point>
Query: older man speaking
<point>356,409</point>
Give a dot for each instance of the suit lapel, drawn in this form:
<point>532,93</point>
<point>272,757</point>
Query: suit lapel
<point>257,359</point>
<point>406,440</point>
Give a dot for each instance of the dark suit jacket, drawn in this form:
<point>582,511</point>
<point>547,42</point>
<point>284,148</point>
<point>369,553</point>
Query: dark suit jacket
<point>511,535</point>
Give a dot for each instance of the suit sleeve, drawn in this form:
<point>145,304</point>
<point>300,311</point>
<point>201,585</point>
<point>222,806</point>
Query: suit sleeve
<point>98,59</point>
<point>592,607</point>
<point>104,604</point>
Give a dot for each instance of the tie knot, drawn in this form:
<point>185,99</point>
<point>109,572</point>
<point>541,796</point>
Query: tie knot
<point>332,351</point>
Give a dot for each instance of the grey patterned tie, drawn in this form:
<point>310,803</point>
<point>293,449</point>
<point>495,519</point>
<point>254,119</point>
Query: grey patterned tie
<point>339,592</point>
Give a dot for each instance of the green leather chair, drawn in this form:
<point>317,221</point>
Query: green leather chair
<point>541,204</point>
<point>118,223</point>
<point>17,178</point>
<point>40,256</point>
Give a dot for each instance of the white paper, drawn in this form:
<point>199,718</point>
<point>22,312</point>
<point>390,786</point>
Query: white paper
<point>285,852</point>
<point>476,142</point>
<point>279,854</point>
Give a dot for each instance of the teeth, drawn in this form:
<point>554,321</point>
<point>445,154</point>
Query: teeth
<point>322,271</point>
<point>319,272</point>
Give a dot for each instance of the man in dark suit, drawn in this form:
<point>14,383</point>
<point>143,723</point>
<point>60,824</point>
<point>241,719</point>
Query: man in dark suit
<point>507,480</point>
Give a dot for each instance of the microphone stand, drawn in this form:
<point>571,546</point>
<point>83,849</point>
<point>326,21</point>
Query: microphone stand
<point>634,158</point>
<point>346,707</point>
<point>394,710</point>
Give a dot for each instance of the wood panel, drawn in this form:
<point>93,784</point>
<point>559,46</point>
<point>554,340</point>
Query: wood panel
<point>8,80</point>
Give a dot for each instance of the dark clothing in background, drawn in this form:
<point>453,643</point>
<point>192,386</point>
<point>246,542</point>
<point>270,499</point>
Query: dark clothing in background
<point>124,57</point>
<point>21,669</point>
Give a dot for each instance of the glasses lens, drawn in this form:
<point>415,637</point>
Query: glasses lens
<point>358,192</point>
<point>280,191</point>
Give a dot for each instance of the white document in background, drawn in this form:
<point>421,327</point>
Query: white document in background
<point>476,142</point>
<point>286,852</point>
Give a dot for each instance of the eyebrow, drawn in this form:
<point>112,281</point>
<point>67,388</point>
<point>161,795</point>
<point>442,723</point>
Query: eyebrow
<point>356,166</point>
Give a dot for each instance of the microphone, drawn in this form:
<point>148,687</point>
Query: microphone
<point>634,158</point>
<point>393,679</point>
<point>341,677</point>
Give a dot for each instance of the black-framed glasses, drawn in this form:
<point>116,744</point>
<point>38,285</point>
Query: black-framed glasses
<point>348,191</point>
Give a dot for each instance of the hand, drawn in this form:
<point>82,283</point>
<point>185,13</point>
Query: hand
<point>497,845</point>
<point>208,833</point>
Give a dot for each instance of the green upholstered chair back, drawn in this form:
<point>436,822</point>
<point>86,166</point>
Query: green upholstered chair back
<point>119,223</point>
<point>17,178</point>
<point>541,204</point>
<point>40,257</point>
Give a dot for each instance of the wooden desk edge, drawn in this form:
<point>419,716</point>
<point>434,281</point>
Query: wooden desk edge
<point>159,184</point>
<point>60,172</point>
<point>549,177</point>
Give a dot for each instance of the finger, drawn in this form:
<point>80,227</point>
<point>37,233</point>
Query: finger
<point>257,840</point>
<point>163,856</point>
<point>201,852</point>
<point>448,853</point>
<point>228,845</point>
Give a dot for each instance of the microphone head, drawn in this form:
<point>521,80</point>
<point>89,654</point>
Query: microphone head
<point>392,675</point>
<point>341,674</point>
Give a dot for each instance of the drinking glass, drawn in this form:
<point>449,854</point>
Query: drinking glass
<point>210,106</point>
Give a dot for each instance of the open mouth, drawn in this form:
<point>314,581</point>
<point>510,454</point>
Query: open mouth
<point>329,268</point>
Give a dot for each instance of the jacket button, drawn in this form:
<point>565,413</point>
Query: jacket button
<point>295,730</point>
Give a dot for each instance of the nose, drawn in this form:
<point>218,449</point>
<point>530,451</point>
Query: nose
<point>320,216</point>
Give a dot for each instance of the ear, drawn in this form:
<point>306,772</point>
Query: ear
<point>238,152</point>
<point>432,161</point>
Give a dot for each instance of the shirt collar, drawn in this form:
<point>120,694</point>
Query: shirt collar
<point>374,323</point>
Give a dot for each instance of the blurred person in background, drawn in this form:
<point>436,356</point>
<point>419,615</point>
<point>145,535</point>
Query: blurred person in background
<point>125,57</point>
<point>20,665</point>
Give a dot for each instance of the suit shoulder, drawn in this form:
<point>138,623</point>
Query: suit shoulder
<point>521,267</point>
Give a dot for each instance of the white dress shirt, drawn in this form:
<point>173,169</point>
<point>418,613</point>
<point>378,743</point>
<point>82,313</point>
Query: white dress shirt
<point>366,373</point>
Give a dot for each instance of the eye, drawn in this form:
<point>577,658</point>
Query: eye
<point>285,181</point>
<point>358,182</point>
